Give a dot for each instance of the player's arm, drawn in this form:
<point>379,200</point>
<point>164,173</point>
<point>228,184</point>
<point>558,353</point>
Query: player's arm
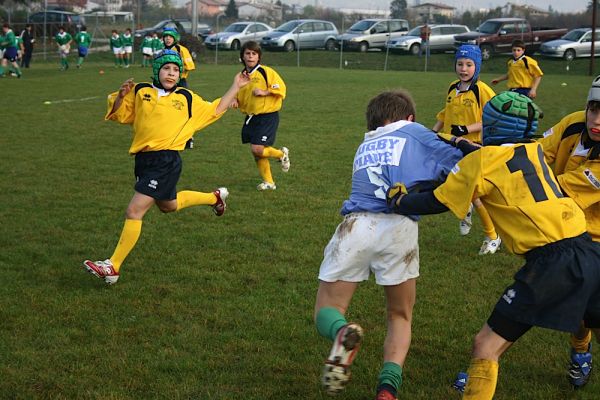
<point>117,110</point>
<point>422,203</point>
<point>240,80</point>
<point>582,184</point>
<point>534,86</point>
<point>499,79</point>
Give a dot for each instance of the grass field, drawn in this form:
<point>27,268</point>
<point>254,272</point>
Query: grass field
<point>221,308</point>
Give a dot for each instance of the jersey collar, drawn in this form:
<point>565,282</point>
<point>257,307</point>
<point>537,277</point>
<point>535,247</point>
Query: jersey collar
<point>384,130</point>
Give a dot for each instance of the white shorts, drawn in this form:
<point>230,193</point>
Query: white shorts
<point>385,244</point>
<point>117,50</point>
<point>147,51</point>
<point>64,49</point>
<point>128,49</point>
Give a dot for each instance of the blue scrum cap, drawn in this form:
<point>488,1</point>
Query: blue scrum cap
<point>471,52</point>
<point>509,116</point>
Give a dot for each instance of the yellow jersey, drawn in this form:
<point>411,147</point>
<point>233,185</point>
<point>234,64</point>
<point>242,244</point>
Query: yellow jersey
<point>520,193</point>
<point>465,108</point>
<point>265,78</point>
<point>578,171</point>
<point>522,71</point>
<point>186,58</point>
<point>161,120</point>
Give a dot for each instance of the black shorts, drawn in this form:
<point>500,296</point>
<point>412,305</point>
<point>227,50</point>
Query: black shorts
<point>557,288</point>
<point>10,53</point>
<point>157,174</point>
<point>260,129</point>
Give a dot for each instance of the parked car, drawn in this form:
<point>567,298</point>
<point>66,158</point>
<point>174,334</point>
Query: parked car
<point>441,39</point>
<point>372,33</point>
<point>496,36</point>
<point>54,19</point>
<point>236,34</point>
<point>182,26</point>
<point>576,43</point>
<point>303,34</point>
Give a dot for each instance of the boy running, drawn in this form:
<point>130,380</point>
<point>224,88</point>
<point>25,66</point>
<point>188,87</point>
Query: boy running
<point>371,239</point>
<point>524,74</point>
<point>83,40</point>
<point>164,117</point>
<point>8,41</point>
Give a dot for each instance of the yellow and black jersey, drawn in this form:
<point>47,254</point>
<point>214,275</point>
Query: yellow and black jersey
<point>186,57</point>
<point>577,167</point>
<point>265,78</point>
<point>522,71</point>
<point>161,120</point>
<point>520,193</point>
<point>465,108</point>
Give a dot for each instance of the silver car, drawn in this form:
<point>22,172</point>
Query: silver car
<point>372,34</point>
<point>576,43</point>
<point>303,34</point>
<point>236,34</point>
<point>441,39</point>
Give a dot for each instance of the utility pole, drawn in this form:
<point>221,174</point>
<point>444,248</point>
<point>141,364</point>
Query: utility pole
<point>593,53</point>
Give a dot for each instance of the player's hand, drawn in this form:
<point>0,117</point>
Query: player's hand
<point>394,194</point>
<point>495,81</point>
<point>234,104</point>
<point>459,130</point>
<point>241,79</point>
<point>126,87</point>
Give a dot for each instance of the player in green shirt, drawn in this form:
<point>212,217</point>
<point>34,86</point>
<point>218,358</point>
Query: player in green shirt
<point>83,40</point>
<point>63,40</point>
<point>157,43</point>
<point>147,51</point>
<point>127,41</point>
<point>8,41</point>
<point>116,45</point>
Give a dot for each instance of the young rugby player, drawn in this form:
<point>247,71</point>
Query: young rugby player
<point>261,101</point>
<point>63,40</point>
<point>371,239</point>
<point>524,74</point>
<point>572,147</point>
<point>559,285</point>
<point>461,117</point>
<point>164,117</point>
<point>116,45</point>
<point>83,40</point>
<point>8,42</point>
<point>127,42</point>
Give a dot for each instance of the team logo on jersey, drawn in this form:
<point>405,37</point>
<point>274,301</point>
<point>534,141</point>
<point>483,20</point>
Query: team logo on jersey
<point>592,178</point>
<point>456,169</point>
<point>509,295</point>
<point>153,184</point>
<point>147,97</point>
<point>177,104</point>
<point>468,102</point>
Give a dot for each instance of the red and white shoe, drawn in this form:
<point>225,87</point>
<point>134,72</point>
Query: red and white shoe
<point>103,270</point>
<point>220,206</point>
<point>384,394</point>
<point>336,372</point>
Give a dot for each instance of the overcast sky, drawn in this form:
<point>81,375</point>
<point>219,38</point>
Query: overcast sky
<point>461,5</point>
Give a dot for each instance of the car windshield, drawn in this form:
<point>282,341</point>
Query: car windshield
<point>288,26</point>
<point>415,32</point>
<point>235,28</point>
<point>489,27</point>
<point>574,36</point>
<point>361,26</point>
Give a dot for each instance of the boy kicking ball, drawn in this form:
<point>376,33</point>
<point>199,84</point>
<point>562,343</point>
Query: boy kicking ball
<point>164,116</point>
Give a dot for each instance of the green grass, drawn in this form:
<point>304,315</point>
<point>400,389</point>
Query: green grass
<point>221,308</point>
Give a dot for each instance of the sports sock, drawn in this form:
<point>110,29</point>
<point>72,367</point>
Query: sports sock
<point>129,237</point>
<point>1,70</point>
<point>486,222</point>
<point>189,198</point>
<point>271,152</point>
<point>390,377</point>
<point>483,376</point>
<point>329,321</point>
<point>264,168</point>
<point>581,345</point>
<point>80,61</point>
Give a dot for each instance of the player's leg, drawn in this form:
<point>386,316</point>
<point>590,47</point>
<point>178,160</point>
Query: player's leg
<point>466,223</point>
<point>189,198</point>
<point>400,300</point>
<point>264,167</point>
<point>492,241</point>
<point>580,367</point>
<point>283,155</point>
<point>132,228</point>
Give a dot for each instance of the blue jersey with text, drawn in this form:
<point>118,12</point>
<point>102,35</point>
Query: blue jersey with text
<point>404,152</point>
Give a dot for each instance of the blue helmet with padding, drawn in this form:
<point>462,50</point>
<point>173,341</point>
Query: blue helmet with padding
<point>509,117</point>
<point>471,52</point>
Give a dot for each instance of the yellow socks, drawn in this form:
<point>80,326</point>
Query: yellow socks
<point>486,221</point>
<point>483,376</point>
<point>264,168</point>
<point>581,345</point>
<point>129,237</point>
<point>188,198</point>
<point>271,152</point>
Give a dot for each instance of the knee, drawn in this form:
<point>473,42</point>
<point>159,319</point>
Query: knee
<point>257,151</point>
<point>400,314</point>
<point>166,208</point>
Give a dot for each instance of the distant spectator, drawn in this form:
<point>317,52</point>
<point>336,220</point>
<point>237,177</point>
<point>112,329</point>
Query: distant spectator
<point>28,40</point>
<point>425,34</point>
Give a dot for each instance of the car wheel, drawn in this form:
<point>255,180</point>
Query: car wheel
<point>486,52</point>
<point>415,49</point>
<point>364,46</point>
<point>235,45</point>
<point>569,55</point>
<point>330,45</point>
<point>289,46</point>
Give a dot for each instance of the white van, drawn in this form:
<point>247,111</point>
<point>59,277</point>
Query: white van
<point>372,33</point>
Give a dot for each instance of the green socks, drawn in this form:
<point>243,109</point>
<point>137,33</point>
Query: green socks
<point>390,376</point>
<point>329,321</point>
